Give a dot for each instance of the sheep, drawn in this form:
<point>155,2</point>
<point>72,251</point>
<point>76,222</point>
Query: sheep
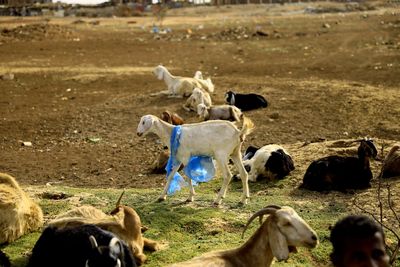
<point>172,118</point>
<point>180,86</point>
<point>4,260</point>
<point>19,214</point>
<point>270,161</point>
<point>221,112</point>
<point>124,222</point>
<point>199,96</point>
<point>217,139</point>
<point>84,245</point>
<point>278,235</point>
<point>391,164</point>
<point>245,102</point>
<point>341,173</point>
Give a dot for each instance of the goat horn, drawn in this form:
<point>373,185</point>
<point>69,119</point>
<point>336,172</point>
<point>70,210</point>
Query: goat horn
<point>267,210</point>
<point>119,199</point>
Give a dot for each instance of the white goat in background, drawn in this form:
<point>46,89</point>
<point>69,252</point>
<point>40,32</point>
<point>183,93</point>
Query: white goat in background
<point>221,112</point>
<point>277,236</point>
<point>180,86</point>
<point>218,139</point>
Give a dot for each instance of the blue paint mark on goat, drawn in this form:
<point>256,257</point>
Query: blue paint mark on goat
<point>199,168</point>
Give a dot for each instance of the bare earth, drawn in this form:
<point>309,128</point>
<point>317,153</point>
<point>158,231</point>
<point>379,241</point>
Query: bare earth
<point>80,89</point>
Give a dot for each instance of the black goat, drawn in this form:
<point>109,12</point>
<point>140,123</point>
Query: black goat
<point>270,161</point>
<point>80,246</point>
<point>245,101</point>
<point>4,260</point>
<point>341,173</point>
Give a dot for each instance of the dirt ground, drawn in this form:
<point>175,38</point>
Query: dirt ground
<point>81,86</point>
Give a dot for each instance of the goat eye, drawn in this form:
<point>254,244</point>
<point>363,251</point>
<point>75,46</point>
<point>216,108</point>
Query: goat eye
<point>287,224</point>
<point>143,122</point>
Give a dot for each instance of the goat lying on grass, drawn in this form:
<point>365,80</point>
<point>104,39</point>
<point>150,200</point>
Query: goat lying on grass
<point>180,86</point>
<point>84,245</point>
<point>124,222</point>
<point>19,214</point>
<point>4,260</point>
<point>391,164</point>
<point>270,161</point>
<point>221,112</point>
<point>341,173</point>
<point>278,235</point>
<point>218,139</point>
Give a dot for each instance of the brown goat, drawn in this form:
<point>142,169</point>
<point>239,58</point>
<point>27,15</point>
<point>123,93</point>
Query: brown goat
<point>281,232</point>
<point>123,221</point>
<point>172,118</point>
<point>391,164</point>
<point>19,215</point>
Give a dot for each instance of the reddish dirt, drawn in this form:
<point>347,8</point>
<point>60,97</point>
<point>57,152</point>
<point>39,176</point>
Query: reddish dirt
<point>332,82</point>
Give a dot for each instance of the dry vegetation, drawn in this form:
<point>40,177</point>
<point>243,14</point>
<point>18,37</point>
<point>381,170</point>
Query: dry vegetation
<point>330,71</point>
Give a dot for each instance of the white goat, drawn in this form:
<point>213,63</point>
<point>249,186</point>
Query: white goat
<point>280,233</point>
<point>199,96</point>
<point>221,112</point>
<point>218,139</point>
<point>180,86</point>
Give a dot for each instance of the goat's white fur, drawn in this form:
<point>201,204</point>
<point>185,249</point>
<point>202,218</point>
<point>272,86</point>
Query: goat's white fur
<point>220,112</point>
<point>218,139</point>
<point>180,86</point>
<point>199,96</point>
<point>280,230</point>
<point>257,162</point>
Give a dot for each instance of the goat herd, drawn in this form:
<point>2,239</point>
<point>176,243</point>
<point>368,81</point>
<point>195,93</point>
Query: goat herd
<point>86,236</point>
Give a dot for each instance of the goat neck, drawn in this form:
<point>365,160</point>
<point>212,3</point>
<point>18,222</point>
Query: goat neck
<point>163,130</point>
<point>168,77</point>
<point>256,251</point>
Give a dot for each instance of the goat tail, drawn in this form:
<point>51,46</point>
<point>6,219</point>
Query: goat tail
<point>4,260</point>
<point>247,127</point>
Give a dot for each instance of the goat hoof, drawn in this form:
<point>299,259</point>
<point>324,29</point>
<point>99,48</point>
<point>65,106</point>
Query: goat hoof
<point>161,199</point>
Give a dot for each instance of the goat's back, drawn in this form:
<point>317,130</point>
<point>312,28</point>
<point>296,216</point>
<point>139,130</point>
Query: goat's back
<point>337,173</point>
<point>70,246</point>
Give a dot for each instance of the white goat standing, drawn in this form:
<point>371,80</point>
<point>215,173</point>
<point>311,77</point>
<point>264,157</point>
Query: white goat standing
<point>278,235</point>
<point>218,139</point>
<point>180,86</point>
<point>199,96</point>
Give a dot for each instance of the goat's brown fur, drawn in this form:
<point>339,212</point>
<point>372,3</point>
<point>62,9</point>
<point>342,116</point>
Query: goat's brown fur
<point>172,118</point>
<point>391,164</point>
<point>18,213</point>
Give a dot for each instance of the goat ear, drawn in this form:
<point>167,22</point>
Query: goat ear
<point>277,242</point>
<point>115,245</point>
<point>93,242</point>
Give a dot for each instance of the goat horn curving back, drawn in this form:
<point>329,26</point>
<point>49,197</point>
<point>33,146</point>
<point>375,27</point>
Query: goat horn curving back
<point>119,199</point>
<point>267,210</point>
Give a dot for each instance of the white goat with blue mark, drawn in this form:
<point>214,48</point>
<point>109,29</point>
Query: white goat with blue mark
<point>220,140</point>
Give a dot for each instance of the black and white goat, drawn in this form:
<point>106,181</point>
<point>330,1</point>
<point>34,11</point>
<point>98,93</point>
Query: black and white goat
<point>245,101</point>
<point>4,260</point>
<point>341,173</point>
<point>270,161</point>
<point>80,246</point>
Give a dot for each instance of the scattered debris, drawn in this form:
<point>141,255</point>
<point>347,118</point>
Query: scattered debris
<point>54,196</point>
<point>7,77</point>
<point>25,143</point>
<point>94,139</point>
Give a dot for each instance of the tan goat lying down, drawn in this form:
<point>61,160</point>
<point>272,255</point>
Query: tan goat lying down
<point>280,234</point>
<point>19,215</point>
<point>124,222</point>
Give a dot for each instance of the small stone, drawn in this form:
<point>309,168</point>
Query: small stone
<point>26,143</point>
<point>7,76</point>
<point>326,26</point>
